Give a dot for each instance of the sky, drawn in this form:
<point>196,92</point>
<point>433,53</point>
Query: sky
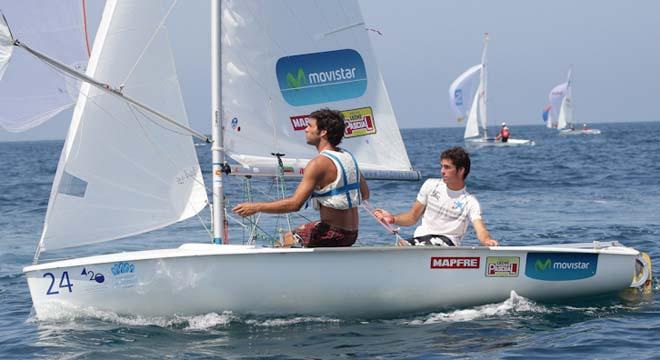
<point>613,47</point>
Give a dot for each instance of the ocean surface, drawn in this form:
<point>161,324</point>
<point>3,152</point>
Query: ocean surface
<point>562,190</point>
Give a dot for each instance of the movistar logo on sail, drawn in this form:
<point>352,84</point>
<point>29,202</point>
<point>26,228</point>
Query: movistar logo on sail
<point>560,266</point>
<point>321,77</point>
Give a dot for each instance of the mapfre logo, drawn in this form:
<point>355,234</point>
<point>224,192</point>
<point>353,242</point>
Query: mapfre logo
<point>359,122</point>
<point>455,262</point>
<point>299,122</point>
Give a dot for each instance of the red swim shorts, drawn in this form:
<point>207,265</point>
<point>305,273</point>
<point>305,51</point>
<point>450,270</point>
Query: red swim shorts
<point>320,234</point>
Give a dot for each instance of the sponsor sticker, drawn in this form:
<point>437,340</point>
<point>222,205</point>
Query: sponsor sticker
<point>560,266</point>
<point>321,77</point>
<point>359,122</point>
<point>502,266</point>
<point>124,275</point>
<point>452,262</point>
<point>299,122</point>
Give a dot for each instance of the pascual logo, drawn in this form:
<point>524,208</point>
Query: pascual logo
<point>359,122</point>
<point>502,266</point>
<point>558,267</point>
<point>455,262</point>
<point>321,77</point>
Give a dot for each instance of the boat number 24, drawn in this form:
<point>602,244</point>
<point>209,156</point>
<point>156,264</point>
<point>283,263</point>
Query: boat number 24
<point>65,283</point>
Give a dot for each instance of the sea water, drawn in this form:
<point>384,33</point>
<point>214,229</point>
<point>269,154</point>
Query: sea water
<point>563,190</point>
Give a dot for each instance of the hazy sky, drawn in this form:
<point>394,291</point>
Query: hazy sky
<point>613,46</point>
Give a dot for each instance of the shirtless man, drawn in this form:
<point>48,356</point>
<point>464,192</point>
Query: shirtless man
<point>334,182</point>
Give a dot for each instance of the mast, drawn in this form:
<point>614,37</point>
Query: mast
<point>217,149</point>
<point>569,96</point>
<point>484,87</point>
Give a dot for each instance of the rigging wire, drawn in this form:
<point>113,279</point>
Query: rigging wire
<point>153,36</point>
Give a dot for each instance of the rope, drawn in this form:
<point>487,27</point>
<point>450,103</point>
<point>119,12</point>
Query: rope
<point>392,230</point>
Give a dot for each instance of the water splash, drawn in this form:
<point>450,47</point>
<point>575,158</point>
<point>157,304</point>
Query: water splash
<point>514,304</point>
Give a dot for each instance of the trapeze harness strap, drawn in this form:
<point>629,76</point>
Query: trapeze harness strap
<point>343,197</point>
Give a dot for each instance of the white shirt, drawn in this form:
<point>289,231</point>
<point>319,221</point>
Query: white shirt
<point>447,211</point>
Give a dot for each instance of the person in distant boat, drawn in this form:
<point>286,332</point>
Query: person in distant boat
<point>585,127</point>
<point>504,133</point>
<point>334,182</point>
<point>445,207</point>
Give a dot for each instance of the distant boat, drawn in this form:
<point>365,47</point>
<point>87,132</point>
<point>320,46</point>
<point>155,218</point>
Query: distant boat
<point>466,102</point>
<point>561,94</point>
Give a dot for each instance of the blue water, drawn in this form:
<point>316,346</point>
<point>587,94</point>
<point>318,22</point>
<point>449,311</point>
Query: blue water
<point>563,190</point>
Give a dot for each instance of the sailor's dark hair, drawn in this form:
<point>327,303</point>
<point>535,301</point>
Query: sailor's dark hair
<point>459,157</point>
<point>331,121</point>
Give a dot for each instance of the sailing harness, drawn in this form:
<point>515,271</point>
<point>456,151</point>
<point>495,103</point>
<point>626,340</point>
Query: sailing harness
<point>334,198</point>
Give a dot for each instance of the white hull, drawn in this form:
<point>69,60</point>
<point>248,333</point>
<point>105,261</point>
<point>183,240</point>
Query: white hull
<point>358,281</point>
<point>491,142</point>
<point>579,132</point>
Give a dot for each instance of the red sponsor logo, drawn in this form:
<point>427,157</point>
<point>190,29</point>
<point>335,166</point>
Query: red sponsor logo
<point>299,122</point>
<point>455,262</point>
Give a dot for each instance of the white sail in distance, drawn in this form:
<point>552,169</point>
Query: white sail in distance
<point>561,99</point>
<point>57,28</point>
<point>472,123</point>
<point>122,171</point>
<point>462,91</point>
<point>278,67</point>
<point>556,97</point>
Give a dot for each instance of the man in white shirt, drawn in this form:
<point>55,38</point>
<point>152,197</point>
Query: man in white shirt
<point>444,206</point>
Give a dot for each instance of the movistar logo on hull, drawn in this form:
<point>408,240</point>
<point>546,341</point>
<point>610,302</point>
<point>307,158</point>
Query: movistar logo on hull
<point>560,267</point>
<point>321,77</point>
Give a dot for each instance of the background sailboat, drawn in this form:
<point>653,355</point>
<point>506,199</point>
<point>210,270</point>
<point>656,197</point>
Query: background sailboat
<point>561,98</point>
<point>124,170</point>
<point>468,96</point>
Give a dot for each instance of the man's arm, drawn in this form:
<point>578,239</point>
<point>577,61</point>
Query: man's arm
<point>364,189</point>
<point>312,175</point>
<point>482,233</point>
<point>411,217</point>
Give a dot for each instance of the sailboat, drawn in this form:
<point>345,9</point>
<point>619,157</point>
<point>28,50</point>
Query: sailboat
<point>127,168</point>
<point>562,95</point>
<point>468,102</point>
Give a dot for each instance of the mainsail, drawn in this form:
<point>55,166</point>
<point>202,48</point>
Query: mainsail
<point>561,102</point>
<point>122,171</point>
<point>57,28</point>
<point>279,65</point>
<point>462,89</point>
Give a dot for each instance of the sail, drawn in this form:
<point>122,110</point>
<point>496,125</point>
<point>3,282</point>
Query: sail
<point>472,123</point>
<point>6,45</point>
<point>565,113</point>
<point>57,28</point>
<point>462,90</point>
<point>556,98</point>
<point>122,171</point>
<point>547,116</point>
<point>483,93</point>
<point>283,60</point>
